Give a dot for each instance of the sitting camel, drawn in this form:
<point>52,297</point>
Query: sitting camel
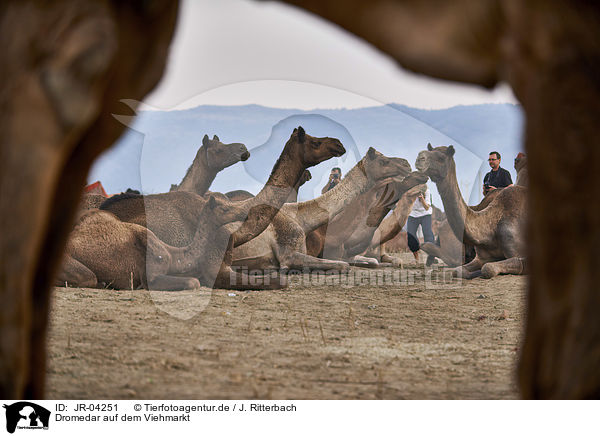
<point>447,247</point>
<point>283,244</point>
<point>349,233</point>
<point>180,218</point>
<point>496,232</point>
<point>103,249</point>
<point>213,156</point>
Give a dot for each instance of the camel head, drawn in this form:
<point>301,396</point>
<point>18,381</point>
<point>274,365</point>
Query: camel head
<point>436,162</point>
<point>220,156</point>
<point>379,167</point>
<point>391,190</point>
<point>158,257</point>
<point>520,161</point>
<point>311,150</point>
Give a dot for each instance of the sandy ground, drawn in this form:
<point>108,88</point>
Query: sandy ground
<point>413,335</point>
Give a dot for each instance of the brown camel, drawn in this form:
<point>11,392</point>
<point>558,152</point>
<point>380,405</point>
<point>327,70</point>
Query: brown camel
<point>241,195</point>
<point>66,67</point>
<point>103,249</point>
<point>349,233</point>
<point>447,247</point>
<point>213,156</point>
<point>283,244</point>
<point>392,225</point>
<point>496,231</point>
<point>521,167</point>
<point>180,218</point>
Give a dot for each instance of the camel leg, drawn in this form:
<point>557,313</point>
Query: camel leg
<point>75,273</point>
<point>469,270</point>
<point>228,278</point>
<point>386,258</point>
<point>163,282</point>
<point>432,250</point>
<point>364,262</point>
<point>299,260</point>
<point>514,265</point>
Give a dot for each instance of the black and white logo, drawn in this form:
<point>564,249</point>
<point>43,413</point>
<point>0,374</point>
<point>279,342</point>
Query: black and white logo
<point>26,415</point>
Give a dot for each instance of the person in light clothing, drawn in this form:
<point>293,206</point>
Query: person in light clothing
<point>420,215</point>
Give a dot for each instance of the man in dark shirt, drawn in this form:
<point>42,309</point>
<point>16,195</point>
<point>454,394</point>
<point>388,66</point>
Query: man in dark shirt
<point>334,179</point>
<point>498,177</point>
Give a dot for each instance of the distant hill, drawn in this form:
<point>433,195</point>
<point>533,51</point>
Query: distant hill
<point>160,145</point>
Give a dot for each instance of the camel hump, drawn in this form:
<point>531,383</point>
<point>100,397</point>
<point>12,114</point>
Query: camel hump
<point>117,198</point>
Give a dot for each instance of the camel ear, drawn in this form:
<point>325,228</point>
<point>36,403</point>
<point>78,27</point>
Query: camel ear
<point>371,153</point>
<point>301,134</point>
<point>216,138</point>
<point>450,151</point>
<point>205,140</point>
<point>429,147</point>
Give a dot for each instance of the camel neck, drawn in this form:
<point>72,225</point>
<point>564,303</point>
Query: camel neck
<point>314,213</point>
<point>459,215</point>
<point>262,209</point>
<point>199,176</point>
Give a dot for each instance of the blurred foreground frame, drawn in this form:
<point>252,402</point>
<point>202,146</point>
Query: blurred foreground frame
<point>69,63</point>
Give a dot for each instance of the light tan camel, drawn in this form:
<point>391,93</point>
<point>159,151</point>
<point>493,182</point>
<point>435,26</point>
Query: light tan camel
<point>496,232</point>
<point>104,250</point>
<point>213,156</point>
<point>283,246</point>
<point>348,234</point>
<point>447,247</point>
<point>180,218</point>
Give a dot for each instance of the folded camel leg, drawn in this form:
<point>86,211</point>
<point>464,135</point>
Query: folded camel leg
<point>163,282</point>
<point>364,262</point>
<point>514,265</point>
<point>297,260</point>
<point>74,273</point>
<point>229,278</point>
<point>469,270</point>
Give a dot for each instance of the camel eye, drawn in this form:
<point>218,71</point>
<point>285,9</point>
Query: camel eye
<point>315,144</point>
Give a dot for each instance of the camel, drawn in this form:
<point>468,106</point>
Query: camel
<point>213,156</point>
<point>521,167</point>
<point>283,246</point>
<point>392,225</point>
<point>496,231</point>
<point>181,218</point>
<point>57,118</point>
<point>102,248</point>
<point>454,252</point>
<point>240,194</point>
<point>349,233</point>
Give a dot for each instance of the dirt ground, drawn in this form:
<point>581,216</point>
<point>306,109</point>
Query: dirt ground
<point>415,335</point>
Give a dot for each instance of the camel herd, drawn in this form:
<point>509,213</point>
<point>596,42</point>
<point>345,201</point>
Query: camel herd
<point>189,237</point>
<point>68,64</point>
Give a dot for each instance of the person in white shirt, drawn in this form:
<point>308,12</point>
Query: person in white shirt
<point>420,215</point>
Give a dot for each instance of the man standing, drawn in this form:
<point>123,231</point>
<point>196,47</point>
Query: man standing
<point>420,215</point>
<point>334,179</point>
<point>497,177</point>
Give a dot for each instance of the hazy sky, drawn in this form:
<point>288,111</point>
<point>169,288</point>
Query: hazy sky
<point>229,52</point>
